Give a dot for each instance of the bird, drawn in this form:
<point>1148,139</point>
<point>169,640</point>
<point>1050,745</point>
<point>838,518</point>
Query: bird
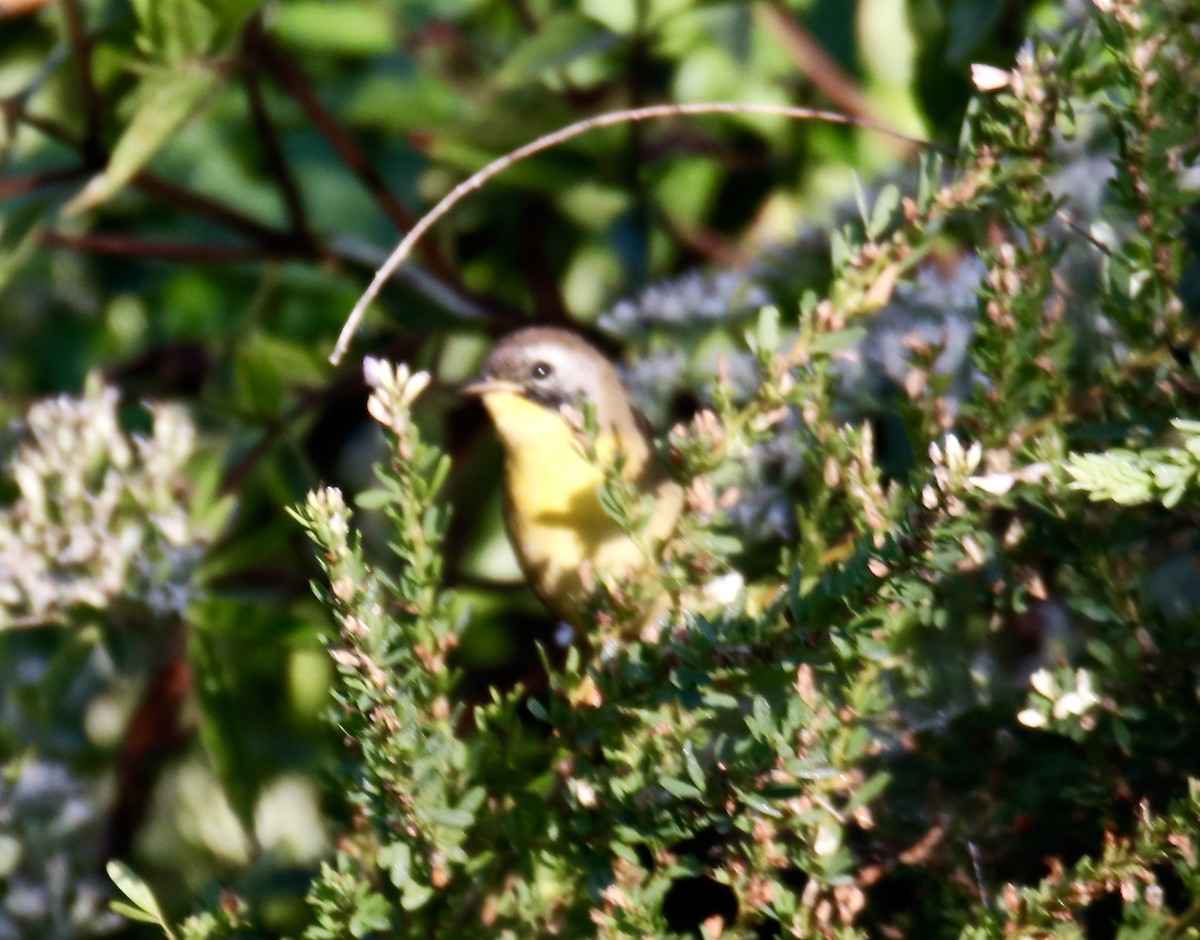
<point>537,384</point>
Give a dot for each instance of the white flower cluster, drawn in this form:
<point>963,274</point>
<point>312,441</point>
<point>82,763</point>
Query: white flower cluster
<point>99,515</point>
<point>1054,701</point>
<point>394,388</point>
<point>953,466</point>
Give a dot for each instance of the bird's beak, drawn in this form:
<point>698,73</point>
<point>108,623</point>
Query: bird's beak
<point>485,386</point>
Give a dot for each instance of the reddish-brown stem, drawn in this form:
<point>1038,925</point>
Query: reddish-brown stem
<point>91,146</point>
<point>268,138</point>
<point>129,246</point>
<point>16,114</point>
<point>19,185</point>
<point>296,84</point>
<point>811,58</point>
<point>208,208</point>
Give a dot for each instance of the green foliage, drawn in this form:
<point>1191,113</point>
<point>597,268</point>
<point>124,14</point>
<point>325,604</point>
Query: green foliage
<point>1165,473</point>
<point>923,656</point>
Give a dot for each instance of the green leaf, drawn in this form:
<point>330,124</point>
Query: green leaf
<point>415,896</point>
<point>130,884</point>
<point>680,789</point>
<point>373,499</point>
<point>559,40</point>
<point>450,817</point>
<point>829,343</point>
<point>886,204</point>
<point>929,178</point>
<point>132,913</point>
<point>396,105</point>
<point>166,100</point>
<point>223,721</point>
<point>397,859</point>
<point>694,771</point>
<point>868,791</point>
<point>176,30</point>
<point>258,381</point>
<point>345,28</point>
<point>860,200</point>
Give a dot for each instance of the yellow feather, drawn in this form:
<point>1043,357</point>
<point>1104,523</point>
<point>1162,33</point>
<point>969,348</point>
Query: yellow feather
<point>553,509</point>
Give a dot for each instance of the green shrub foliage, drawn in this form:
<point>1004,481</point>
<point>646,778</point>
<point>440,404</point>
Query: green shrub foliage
<point>960,699</point>
<point>931,664</point>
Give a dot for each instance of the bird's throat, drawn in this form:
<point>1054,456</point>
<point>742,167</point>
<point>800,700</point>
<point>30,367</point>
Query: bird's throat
<point>554,515</point>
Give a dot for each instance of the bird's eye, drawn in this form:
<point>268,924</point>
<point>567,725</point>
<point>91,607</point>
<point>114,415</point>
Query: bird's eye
<point>541,370</point>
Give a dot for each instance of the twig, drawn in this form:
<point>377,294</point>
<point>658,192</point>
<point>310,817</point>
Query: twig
<point>131,247</point>
<point>1065,218</point>
<point>609,119</point>
<point>268,137</point>
<point>91,147</point>
<point>273,243</point>
<point>711,244</point>
<point>810,57</point>
<point>15,113</point>
<point>208,208</point>
<point>296,84</point>
<point>18,185</point>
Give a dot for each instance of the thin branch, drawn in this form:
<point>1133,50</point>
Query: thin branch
<point>91,147</point>
<point>209,208</point>
<point>272,243</point>
<point>15,113</point>
<point>810,57</point>
<point>296,84</point>
<point>153,185</point>
<point>131,247</point>
<point>609,119</point>
<point>19,185</point>
<point>1064,217</point>
<point>711,244</point>
<point>343,252</point>
<point>267,136</point>
<point>11,9</point>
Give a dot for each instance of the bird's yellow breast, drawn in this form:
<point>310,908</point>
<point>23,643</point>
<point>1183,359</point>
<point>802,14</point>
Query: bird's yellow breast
<point>554,515</point>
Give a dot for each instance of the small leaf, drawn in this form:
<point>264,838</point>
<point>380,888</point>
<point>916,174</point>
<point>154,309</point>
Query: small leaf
<point>397,859</point>
<point>415,896</point>
<point>450,817</point>
<point>886,204</point>
<point>176,30</point>
<point>679,789</point>
<point>860,199</point>
<point>829,343</point>
<point>868,791</point>
<point>694,771</point>
<point>132,913</point>
<point>929,179</point>
<point>560,40</point>
<point>130,884</point>
<point>166,100</point>
<point>349,28</point>
<point>538,710</point>
<point>372,499</point>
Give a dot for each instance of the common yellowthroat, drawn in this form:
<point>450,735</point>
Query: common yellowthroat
<point>536,385</point>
